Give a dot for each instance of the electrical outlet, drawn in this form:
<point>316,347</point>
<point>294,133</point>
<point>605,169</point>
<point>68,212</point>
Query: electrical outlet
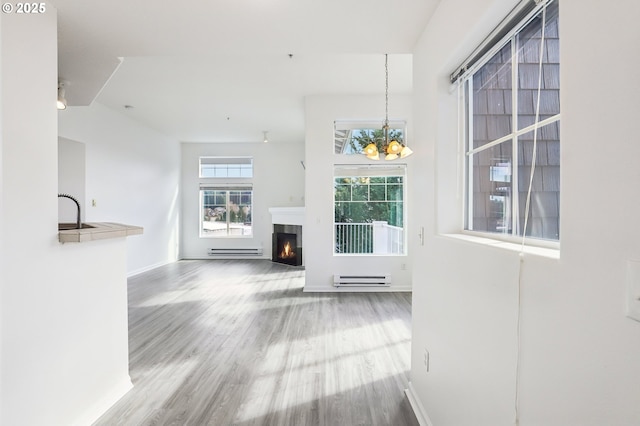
<point>93,202</point>
<point>403,266</point>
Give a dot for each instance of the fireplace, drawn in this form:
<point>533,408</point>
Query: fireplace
<point>287,244</point>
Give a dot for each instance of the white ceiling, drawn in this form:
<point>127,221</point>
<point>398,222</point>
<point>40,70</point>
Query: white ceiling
<point>222,70</point>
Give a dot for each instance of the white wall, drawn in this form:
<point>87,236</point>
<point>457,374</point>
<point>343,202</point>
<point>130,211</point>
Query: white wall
<point>320,114</point>
<point>133,175</point>
<point>278,182</point>
<point>64,353</point>
<point>2,278</point>
<point>71,179</point>
<point>578,359</point>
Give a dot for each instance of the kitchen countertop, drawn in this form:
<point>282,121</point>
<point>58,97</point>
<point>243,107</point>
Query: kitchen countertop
<point>99,231</point>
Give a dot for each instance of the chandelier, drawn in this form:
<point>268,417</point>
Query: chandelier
<point>392,149</point>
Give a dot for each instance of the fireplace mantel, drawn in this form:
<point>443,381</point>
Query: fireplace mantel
<point>287,215</point>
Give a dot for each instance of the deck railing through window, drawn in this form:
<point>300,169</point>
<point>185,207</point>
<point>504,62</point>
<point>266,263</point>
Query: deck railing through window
<point>374,237</point>
<point>354,238</point>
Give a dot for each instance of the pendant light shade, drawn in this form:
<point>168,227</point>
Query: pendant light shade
<point>406,151</point>
<point>371,151</point>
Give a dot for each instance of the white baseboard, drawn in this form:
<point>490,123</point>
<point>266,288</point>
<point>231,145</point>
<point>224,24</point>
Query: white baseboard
<point>333,289</point>
<point>93,413</point>
<point>238,257</point>
<point>418,408</point>
<point>148,268</point>
<point>235,257</point>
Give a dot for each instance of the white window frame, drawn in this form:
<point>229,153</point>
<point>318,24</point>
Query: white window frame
<point>465,87</point>
<point>223,164</point>
<point>224,182</point>
<point>228,190</point>
<point>362,171</point>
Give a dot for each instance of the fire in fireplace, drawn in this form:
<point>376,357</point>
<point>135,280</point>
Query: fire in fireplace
<point>286,248</point>
<point>287,251</point>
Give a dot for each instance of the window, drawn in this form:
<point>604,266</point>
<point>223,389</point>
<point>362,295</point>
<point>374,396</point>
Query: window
<point>500,101</point>
<point>369,210</point>
<point>350,137</point>
<point>226,212</point>
<point>226,167</point>
<point>226,196</point>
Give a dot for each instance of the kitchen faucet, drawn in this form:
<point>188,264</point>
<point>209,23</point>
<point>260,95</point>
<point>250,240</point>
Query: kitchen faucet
<point>78,224</point>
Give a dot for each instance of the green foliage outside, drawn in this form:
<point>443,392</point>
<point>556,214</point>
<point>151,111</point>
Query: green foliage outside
<point>368,199</point>
<point>360,138</point>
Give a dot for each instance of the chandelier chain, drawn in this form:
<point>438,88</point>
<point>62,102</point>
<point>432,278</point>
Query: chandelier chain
<point>386,89</point>
<point>390,149</point>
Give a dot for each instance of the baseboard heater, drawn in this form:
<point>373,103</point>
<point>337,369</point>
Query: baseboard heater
<point>235,252</point>
<point>362,280</point>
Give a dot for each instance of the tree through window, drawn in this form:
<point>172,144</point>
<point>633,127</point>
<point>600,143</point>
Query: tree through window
<point>369,209</point>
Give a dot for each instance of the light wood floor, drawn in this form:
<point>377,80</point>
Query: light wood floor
<point>234,342</point>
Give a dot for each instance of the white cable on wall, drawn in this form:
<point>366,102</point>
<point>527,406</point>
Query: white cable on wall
<point>526,211</point>
<point>461,132</point>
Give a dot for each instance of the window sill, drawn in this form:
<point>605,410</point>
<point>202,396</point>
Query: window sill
<point>369,254</point>
<point>225,237</point>
<point>548,252</point>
